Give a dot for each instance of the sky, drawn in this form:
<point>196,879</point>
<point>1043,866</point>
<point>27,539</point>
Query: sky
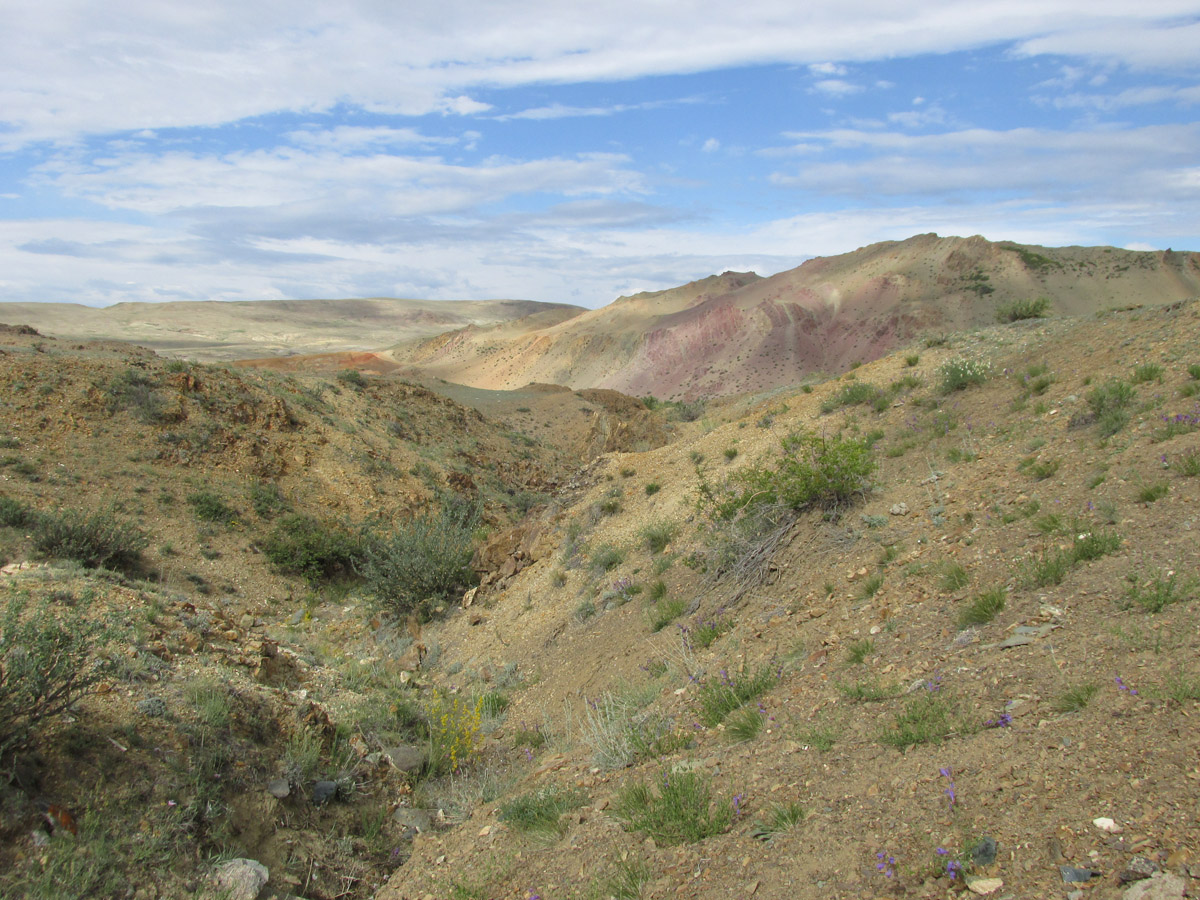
<point>542,150</point>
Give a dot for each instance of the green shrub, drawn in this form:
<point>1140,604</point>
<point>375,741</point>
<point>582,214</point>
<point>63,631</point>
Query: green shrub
<point>539,811</point>
<point>853,394</point>
<point>653,488</point>
<point>1149,493</point>
<point>664,612</point>
<point>706,632</point>
<point>1146,373</point>
<point>1109,404</point>
<point>982,609</point>
<point>678,809</point>
<point>928,717</point>
<point>1157,593</point>
<point>425,562</point>
<point>13,512</point>
<point>869,690</point>
<point>134,390</point>
<point>45,666</point>
<point>912,359</point>
<point>658,535</point>
<point>731,453</point>
<point>744,724</point>
<point>352,377</point>
<point>812,470</point>
<point>857,652</point>
<point>267,499</point>
<point>959,374</point>
<point>605,558</point>
<point>93,539</point>
<point>1188,464</point>
<point>953,576</point>
<point>315,549</point>
<point>721,696</point>
<point>211,507</point>
<point>1018,310</point>
<point>870,586</point>
<point>1075,698</point>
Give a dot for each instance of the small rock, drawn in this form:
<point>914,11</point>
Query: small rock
<point>405,758</point>
<point>416,819</point>
<point>323,791</point>
<point>899,509</point>
<point>984,853</point>
<point>1072,875</point>
<point>278,788</point>
<point>1158,887</point>
<point>151,707</point>
<point>984,885</point>
<point>242,879</point>
<point>1106,824</point>
<point>1138,868</point>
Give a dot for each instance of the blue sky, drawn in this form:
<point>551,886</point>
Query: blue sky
<point>468,150</point>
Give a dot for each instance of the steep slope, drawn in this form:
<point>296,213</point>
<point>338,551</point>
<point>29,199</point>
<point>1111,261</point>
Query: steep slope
<point>951,676</point>
<point>739,333</point>
<point>223,331</point>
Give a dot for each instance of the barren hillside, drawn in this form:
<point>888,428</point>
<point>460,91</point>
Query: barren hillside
<point>738,333</point>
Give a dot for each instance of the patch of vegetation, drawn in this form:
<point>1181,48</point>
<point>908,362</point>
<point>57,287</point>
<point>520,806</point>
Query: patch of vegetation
<point>855,393</point>
<point>678,809</point>
<point>605,558</point>
<point>706,631</point>
<point>97,539</point>
<point>1019,310</point>
<point>813,470</point>
<point>1187,464</point>
<point>454,732</point>
<point>14,513</point>
<point>425,562</point>
<point>315,549</point>
<point>652,488</point>
<point>46,665</point>
<point>658,535</point>
<point>928,717</point>
<point>1150,493</point>
<point>912,359</point>
<point>1035,262</point>
<point>983,608</point>
<point>267,500</point>
<point>664,612</point>
<point>858,651</point>
<point>1039,469</point>
<point>540,812</point>
<point>135,391</point>
<point>628,882</point>
<point>210,506</point>
<point>743,725</point>
<point>721,696</point>
<point>1075,698</point>
<point>1147,372</point>
<point>952,576</point>
<point>1158,592</point>
<point>352,378</point>
<point>1109,405</point>
<point>820,737</point>
<point>959,374</point>
<point>870,586</point>
<point>780,818</point>
<point>731,453</point>
<point>868,690</point>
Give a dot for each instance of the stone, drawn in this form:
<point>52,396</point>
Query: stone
<point>1106,824</point>
<point>899,509</point>
<point>278,788</point>
<point>984,853</point>
<point>241,879</point>
<point>418,820</point>
<point>1073,875</point>
<point>323,792</point>
<point>1136,869</point>
<point>984,886</point>
<point>404,757</point>
<point>1158,887</point>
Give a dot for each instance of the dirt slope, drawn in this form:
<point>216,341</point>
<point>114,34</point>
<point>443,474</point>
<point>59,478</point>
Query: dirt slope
<point>905,735</point>
<point>738,333</point>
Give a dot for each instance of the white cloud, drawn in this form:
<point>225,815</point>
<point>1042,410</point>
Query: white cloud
<point>712,145</point>
<point>836,87</point>
<point>63,63</point>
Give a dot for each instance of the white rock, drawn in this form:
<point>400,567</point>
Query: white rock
<point>242,879</point>
<point>1159,887</point>
<point>985,885</point>
<point>1106,824</point>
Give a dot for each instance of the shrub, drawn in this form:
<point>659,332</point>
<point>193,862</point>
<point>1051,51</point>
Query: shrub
<point>664,612</point>
<point>13,512</point>
<point>454,728</point>
<point>812,470</point>
<point>926,718</point>
<point>45,666</point>
<point>1075,698</point>
<point>679,809</point>
<point>983,608</point>
<point>1159,592</point>
<point>959,374</point>
<point>352,378</point>
<point>606,557</point>
<point>781,817</point>
<point>912,359</point>
<point>870,586</point>
<point>539,811</point>
<point>853,394</point>
<point>653,488</point>
<point>134,391</point>
<point>315,549</point>
<point>1149,493</point>
<point>954,576</point>
<point>744,724</point>
<point>1147,372</point>
<point>93,539</point>
<point>426,561</point>
<point>211,507</point>
<point>731,453</point>
<point>658,535</point>
<point>719,697</point>
<point>267,499</point>
<point>1188,464</point>
<point>1022,309</point>
<point>705,632</point>
<point>1109,404</point>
